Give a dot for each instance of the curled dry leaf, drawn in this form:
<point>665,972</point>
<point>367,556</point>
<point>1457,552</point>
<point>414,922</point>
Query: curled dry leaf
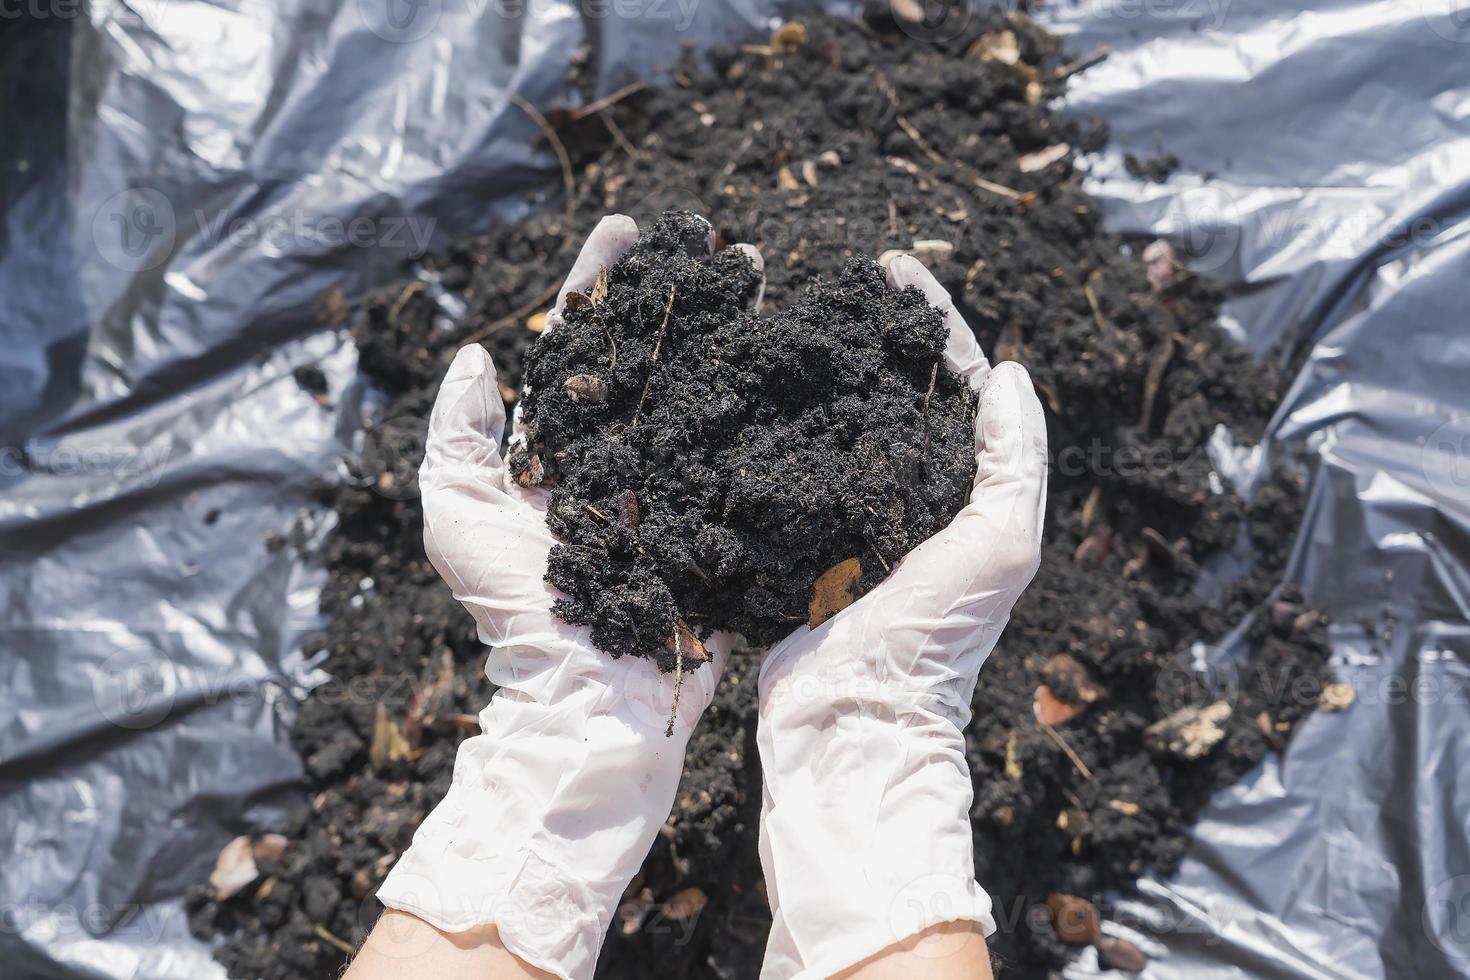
<point>1000,46</point>
<point>1120,954</point>
<point>628,510</point>
<point>1052,710</point>
<point>1336,697</point>
<point>1041,159</point>
<point>1067,674</point>
<point>1075,918</point>
<point>575,301</point>
<point>268,847</point>
<point>533,474</point>
<point>1094,548</point>
<point>233,869</point>
<point>1158,257</point>
<point>685,904</point>
<point>1189,733</point>
<point>789,37</point>
<point>834,590</point>
<point>685,643</point>
<point>586,389</point>
<point>599,288</point>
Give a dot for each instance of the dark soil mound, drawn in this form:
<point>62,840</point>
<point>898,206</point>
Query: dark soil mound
<point>707,465</point>
<point>932,141</point>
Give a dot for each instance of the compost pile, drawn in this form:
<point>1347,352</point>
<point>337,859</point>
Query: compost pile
<point>1094,745</point>
<point>712,469</point>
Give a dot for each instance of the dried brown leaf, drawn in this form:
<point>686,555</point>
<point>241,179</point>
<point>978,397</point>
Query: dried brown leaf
<point>834,590</point>
<point>685,904</point>
<point>233,869</point>
<point>1120,954</point>
<point>1075,918</point>
<point>686,643</point>
<point>599,288</point>
<point>586,389</point>
<point>1052,710</point>
<point>789,37</point>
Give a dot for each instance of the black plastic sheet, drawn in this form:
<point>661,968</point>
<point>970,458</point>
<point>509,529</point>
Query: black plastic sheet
<point>170,254</point>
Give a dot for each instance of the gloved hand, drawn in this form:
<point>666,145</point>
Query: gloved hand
<point>554,807</point>
<point>865,823</point>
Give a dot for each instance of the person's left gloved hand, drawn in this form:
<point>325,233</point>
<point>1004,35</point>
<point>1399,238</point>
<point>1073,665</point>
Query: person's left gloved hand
<point>554,807</point>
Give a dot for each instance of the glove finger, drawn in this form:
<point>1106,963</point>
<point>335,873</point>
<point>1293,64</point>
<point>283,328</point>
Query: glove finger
<point>962,351</point>
<point>462,449</point>
<point>613,236</point>
<point>1006,509</point>
<point>759,261</point>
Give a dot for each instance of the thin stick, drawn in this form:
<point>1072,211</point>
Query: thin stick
<point>678,682</point>
<point>518,314</point>
<point>598,105</point>
<point>619,135</point>
<point>398,304</point>
<point>341,944</point>
<point>657,346</point>
<point>1097,315</point>
<point>569,181</point>
<point>933,376</point>
<point>1001,189</point>
<point>1062,743</point>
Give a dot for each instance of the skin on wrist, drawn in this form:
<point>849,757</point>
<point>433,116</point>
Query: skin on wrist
<point>404,947</point>
<point>953,950</point>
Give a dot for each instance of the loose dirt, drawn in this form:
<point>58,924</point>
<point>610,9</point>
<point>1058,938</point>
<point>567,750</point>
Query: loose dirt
<point>1094,744</point>
<point>713,469</point>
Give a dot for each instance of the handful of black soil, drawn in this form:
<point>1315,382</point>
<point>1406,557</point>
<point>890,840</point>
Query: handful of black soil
<point>708,466</point>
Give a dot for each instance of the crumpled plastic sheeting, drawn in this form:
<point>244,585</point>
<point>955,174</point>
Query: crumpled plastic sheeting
<point>1338,214</point>
<point>226,167</point>
<point>1336,137</point>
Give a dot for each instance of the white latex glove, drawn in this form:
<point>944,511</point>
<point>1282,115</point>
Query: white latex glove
<point>865,822</point>
<point>554,807</point>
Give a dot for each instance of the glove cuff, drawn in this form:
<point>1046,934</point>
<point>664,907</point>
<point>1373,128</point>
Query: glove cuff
<point>546,916</point>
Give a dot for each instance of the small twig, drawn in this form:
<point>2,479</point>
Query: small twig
<point>1097,315</point>
<point>1056,736</point>
<point>416,286</point>
<point>614,345</point>
<point>1001,189</point>
<point>619,135</point>
<point>678,683</point>
<point>597,105</point>
<point>568,179</point>
<point>881,560</point>
<point>933,376</point>
<point>1083,63</point>
<point>514,316</point>
<point>341,944</point>
<point>653,362</point>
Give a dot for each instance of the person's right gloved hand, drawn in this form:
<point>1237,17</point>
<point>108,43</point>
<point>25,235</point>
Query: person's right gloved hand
<point>865,824</point>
